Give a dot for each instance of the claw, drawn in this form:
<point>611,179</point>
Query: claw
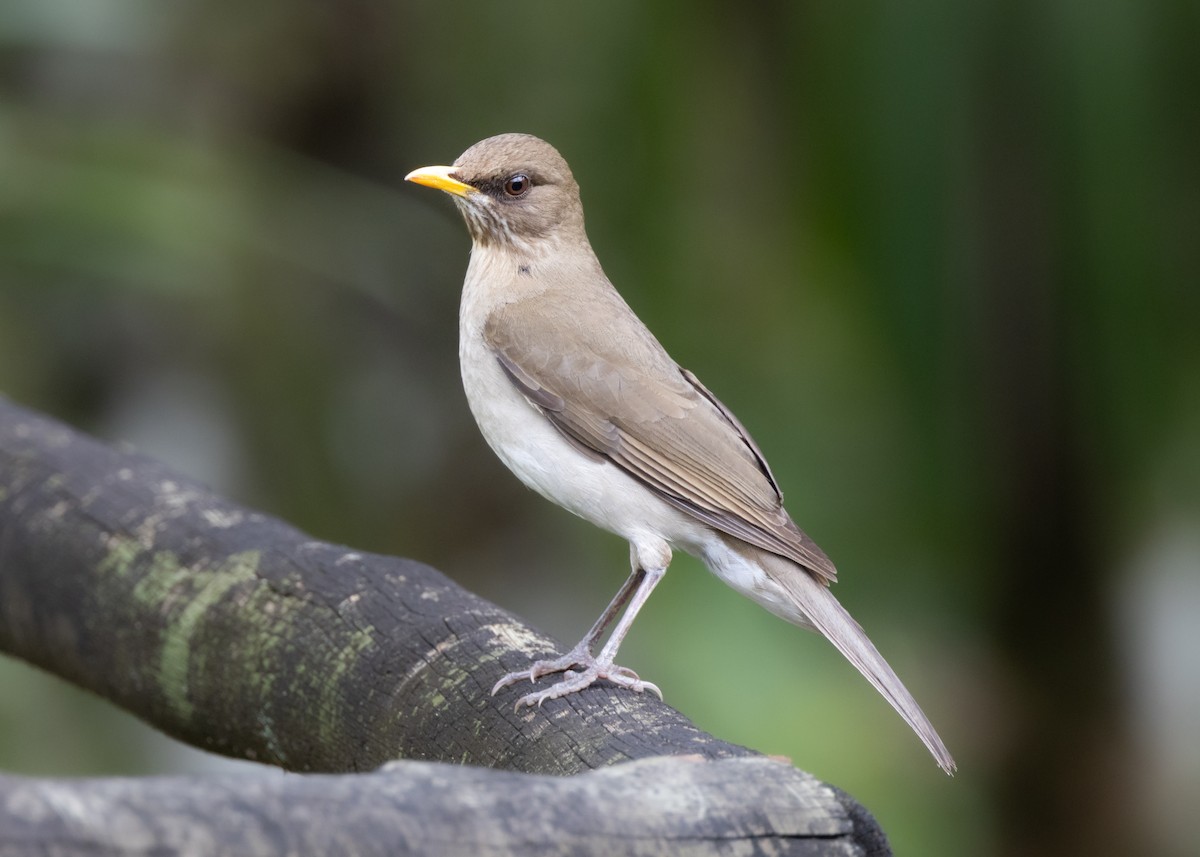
<point>574,658</point>
<point>580,669</point>
<point>573,681</point>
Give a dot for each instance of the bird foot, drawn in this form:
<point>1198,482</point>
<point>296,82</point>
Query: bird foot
<point>580,669</point>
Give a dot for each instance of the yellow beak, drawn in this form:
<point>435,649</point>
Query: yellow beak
<point>440,178</point>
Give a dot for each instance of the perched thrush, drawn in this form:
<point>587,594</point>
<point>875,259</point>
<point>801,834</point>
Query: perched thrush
<point>582,403</point>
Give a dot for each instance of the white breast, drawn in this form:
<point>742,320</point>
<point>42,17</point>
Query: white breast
<point>534,450</point>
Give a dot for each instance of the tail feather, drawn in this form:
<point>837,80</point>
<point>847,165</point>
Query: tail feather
<point>822,611</point>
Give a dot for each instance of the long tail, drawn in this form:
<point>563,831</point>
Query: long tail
<point>822,610</point>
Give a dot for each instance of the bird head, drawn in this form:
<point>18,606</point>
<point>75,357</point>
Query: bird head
<point>512,189</point>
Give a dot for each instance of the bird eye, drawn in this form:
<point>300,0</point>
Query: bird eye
<point>517,185</point>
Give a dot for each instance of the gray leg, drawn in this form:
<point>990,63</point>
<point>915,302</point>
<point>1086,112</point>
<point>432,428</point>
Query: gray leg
<point>579,666</point>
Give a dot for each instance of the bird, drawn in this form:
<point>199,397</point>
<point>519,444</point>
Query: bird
<point>582,403</point>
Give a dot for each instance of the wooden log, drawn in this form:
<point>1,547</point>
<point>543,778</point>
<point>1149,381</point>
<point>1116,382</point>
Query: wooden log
<point>239,634</point>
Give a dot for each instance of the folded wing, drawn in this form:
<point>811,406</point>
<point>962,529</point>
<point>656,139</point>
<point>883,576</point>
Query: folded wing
<point>629,403</point>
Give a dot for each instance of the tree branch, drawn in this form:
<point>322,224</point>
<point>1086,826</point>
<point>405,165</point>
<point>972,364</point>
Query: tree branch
<point>238,634</point>
<point>654,806</point>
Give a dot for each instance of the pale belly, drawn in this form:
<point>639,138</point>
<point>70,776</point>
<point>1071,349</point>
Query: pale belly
<point>529,445</point>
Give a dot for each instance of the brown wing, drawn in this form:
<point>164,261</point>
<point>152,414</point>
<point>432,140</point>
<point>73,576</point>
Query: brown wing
<point>628,402</point>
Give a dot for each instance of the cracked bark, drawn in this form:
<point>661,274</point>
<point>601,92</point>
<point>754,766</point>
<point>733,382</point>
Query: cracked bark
<point>236,633</point>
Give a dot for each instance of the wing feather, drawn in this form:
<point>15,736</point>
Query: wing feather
<point>629,403</point>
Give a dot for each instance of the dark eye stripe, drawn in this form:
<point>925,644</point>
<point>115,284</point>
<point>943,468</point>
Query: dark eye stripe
<point>500,186</point>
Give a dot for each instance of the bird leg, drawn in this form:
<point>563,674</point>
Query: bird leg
<point>579,666</point>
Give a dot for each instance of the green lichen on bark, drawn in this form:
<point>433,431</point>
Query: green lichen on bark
<point>242,635</point>
<point>237,570</point>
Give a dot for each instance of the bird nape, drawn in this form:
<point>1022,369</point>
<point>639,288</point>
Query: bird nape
<point>581,402</point>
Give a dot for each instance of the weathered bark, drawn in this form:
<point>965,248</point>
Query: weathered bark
<point>654,806</point>
<point>236,633</point>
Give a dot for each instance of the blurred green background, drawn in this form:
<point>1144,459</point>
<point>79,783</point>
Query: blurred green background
<point>942,259</point>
